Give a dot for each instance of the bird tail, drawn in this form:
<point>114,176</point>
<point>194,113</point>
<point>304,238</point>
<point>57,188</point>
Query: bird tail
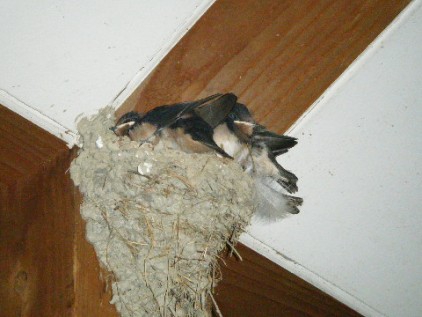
<point>285,178</point>
<point>272,203</point>
<point>277,143</point>
<point>215,109</point>
<point>254,134</point>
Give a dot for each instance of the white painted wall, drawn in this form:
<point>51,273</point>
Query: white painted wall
<point>61,58</point>
<point>359,162</point>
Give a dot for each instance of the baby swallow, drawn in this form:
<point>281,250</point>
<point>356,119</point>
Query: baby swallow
<point>218,123</point>
<point>188,126</point>
<point>255,148</point>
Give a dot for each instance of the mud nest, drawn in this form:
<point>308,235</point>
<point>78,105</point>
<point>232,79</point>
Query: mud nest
<point>158,218</point>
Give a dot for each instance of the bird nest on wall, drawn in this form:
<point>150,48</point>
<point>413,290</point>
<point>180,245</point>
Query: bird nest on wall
<point>158,218</point>
<point>158,214</point>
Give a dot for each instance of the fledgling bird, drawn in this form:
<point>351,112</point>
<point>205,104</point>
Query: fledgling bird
<point>188,125</point>
<point>218,123</point>
<point>256,149</point>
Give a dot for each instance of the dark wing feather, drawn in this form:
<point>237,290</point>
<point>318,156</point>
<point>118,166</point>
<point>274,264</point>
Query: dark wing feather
<point>200,131</point>
<point>293,202</point>
<point>276,143</point>
<point>166,115</point>
<point>207,140</point>
<point>256,134</point>
<point>215,110</point>
<point>288,180</point>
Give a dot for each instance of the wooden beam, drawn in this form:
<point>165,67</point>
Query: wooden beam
<point>277,56</point>
<point>36,243</point>
<point>47,267</point>
<point>258,287</point>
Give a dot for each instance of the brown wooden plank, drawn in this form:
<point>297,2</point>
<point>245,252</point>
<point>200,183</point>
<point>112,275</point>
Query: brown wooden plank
<point>24,147</point>
<point>41,231</point>
<point>277,56</point>
<point>36,255</point>
<point>258,287</point>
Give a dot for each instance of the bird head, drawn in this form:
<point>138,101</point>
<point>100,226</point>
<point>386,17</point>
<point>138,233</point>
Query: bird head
<point>126,123</point>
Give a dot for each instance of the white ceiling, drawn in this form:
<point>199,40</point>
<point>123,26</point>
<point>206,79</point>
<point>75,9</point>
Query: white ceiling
<point>60,59</point>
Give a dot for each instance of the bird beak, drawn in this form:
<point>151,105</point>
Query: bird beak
<point>122,129</point>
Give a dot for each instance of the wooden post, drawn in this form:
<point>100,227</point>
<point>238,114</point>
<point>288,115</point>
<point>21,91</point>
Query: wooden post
<point>47,268</point>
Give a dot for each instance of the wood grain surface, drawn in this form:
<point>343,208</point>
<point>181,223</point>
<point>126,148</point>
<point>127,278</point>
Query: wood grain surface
<point>258,287</point>
<point>36,227</point>
<point>47,268</point>
<point>277,56</point>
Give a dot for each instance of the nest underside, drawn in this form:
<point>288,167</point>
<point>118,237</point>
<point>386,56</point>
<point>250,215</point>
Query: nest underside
<point>158,218</point>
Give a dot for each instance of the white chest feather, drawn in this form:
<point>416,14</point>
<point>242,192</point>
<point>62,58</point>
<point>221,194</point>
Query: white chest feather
<point>226,140</point>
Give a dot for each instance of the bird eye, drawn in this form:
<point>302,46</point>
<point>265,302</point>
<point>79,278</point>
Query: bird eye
<point>233,116</point>
<point>129,117</point>
<point>123,128</point>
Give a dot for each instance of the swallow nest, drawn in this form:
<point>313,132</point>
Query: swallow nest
<point>158,218</point>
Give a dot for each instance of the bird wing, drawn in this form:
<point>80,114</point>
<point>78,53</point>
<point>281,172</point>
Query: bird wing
<point>256,134</point>
<point>276,143</point>
<point>216,108</point>
<point>272,203</point>
<point>202,132</point>
<point>167,115</point>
